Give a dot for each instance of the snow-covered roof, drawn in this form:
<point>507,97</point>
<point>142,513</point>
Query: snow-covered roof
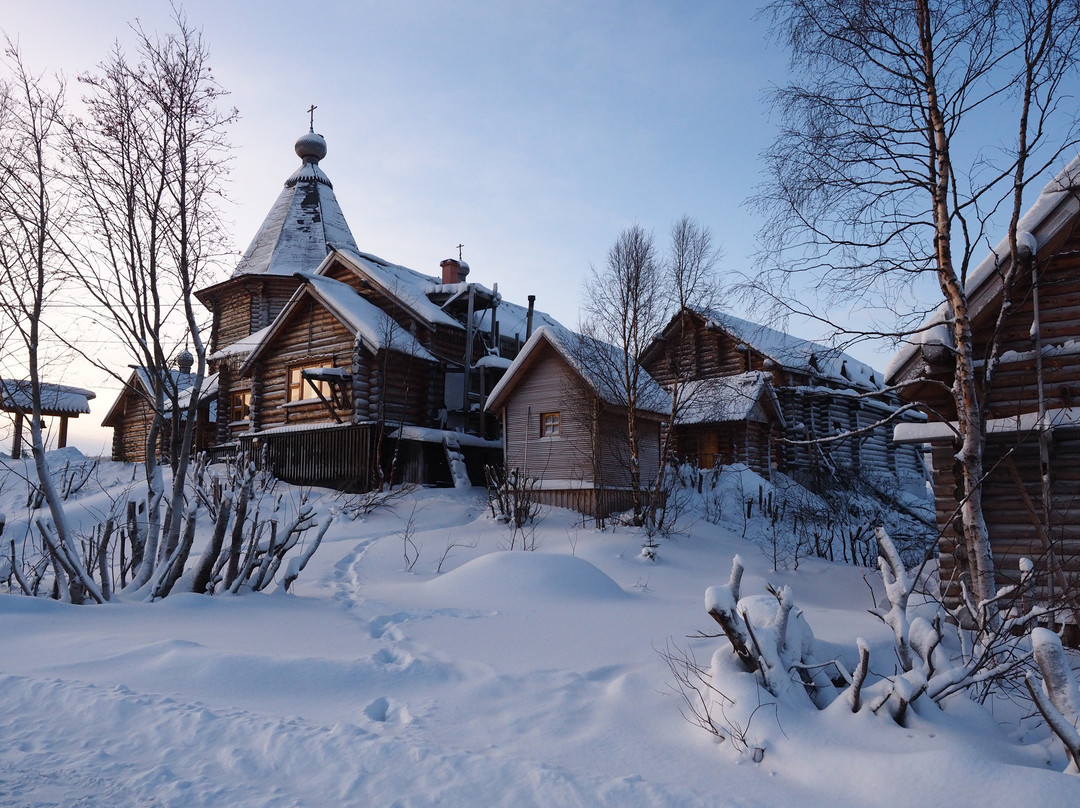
<point>594,362</point>
<point>427,435</point>
<point>942,431</point>
<point>377,329</point>
<point>208,391</point>
<point>303,225</point>
<point>513,320</point>
<point>1056,206</point>
<point>794,353</point>
<point>242,347</point>
<point>56,399</point>
<point>491,361</point>
<point>143,378</point>
<point>413,290</point>
<point>726,398</point>
<point>407,286</point>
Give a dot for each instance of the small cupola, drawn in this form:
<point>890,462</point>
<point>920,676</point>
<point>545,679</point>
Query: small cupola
<point>185,361</point>
<point>311,148</point>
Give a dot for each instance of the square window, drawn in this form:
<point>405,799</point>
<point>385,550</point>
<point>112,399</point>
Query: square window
<point>301,389</point>
<point>550,424</point>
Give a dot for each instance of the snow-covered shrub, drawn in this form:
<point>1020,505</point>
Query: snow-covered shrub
<point>263,527</point>
<point>512,498</point>
<point>771,657</point>
<point>794,522</point>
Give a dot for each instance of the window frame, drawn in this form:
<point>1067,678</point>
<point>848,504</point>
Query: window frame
<point>240,405</point>
<point>295,390</point>
<point>551,424</point>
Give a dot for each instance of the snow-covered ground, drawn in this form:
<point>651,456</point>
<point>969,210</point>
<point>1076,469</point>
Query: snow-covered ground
<point>510,678</point>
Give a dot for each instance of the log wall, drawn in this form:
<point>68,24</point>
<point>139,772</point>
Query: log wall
<point>312,336</point>
<point>691,350</point>
<point>1013,510</point>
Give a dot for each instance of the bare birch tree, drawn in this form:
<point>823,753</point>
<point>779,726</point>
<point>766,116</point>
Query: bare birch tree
<point>626,304</point>
<point>692,285</point>
<point>910,129</point>
<point>149,165</point>
<point>34,207</point>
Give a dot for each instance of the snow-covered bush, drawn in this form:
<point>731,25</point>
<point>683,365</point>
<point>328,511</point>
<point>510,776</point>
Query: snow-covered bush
<point>772,659</point>
<point>793,522</point>
<point>512,498</point>
<point>248,534</point>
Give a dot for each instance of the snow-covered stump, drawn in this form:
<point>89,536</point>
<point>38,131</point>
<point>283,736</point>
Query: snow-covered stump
<point>1059,697</point>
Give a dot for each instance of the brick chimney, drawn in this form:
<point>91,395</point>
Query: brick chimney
<point>454,271</point>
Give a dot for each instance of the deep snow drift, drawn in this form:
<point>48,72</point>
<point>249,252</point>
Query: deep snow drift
<point>510,678</point>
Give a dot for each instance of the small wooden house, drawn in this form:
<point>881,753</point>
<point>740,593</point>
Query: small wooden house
<point>564,424</point>
<point>792,388</point>
<point>730,419</point>
<point>1033,417</point>
<point>132,413</point>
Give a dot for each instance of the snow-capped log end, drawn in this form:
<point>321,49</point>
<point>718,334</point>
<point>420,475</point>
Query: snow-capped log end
<point>718,599</point>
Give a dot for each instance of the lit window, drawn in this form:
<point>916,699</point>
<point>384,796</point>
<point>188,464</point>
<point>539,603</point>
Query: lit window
<point>301,389</point>
<point>550,424</point>
<point>241,406</point>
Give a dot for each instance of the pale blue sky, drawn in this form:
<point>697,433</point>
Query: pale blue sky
<point>532,132</point>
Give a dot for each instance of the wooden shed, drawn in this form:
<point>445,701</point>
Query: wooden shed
<point>564,424</point>
<point>1031,492</point>
<point>730,419</point>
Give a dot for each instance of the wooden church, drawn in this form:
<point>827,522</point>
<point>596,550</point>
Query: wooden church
<point>332,363</point>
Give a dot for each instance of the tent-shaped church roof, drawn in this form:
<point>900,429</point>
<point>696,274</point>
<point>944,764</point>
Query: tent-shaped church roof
<point>304,223</point>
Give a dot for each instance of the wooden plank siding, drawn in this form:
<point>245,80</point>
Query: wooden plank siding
<point>568,456</point>
<point>587,464</point>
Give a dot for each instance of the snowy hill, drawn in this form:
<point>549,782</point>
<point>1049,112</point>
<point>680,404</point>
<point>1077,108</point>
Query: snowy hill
<point>509,678</point>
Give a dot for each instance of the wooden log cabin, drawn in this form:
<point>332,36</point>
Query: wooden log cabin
<point>364,342</point>
<point>1032,457</point>
<point>729,419</point>
<point>746,387</point>
<point>133,411</point>
<point>564,424</point>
